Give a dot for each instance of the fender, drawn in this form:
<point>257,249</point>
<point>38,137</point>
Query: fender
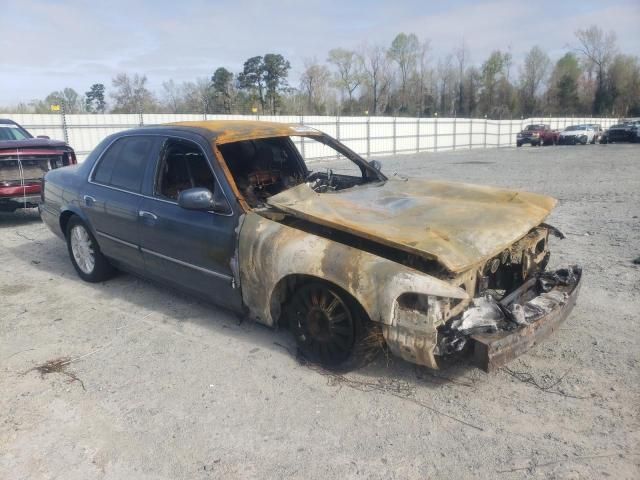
<point>269,252</point>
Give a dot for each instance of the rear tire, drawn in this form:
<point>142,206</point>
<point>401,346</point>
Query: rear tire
<point>85,254</point>
<point>331,328</point>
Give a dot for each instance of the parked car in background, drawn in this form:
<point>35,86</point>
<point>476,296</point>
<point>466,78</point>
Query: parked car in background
<point>577,134</point>
<point>234,212</point>
<point>537,135</point>
<point>598,132</point>
<point>24,160</point>
<point>626,131</point>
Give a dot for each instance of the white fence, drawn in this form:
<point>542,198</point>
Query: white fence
<point>368,136</point>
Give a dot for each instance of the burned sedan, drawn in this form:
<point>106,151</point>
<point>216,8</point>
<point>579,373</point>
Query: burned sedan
<point>245,215</point>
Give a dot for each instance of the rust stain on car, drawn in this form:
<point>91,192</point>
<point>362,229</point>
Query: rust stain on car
<point>434,219</point>
<point>228,131</point>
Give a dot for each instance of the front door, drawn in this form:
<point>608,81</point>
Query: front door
<point>192,249</point>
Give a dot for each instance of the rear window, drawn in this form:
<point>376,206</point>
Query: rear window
<point>124,163</point>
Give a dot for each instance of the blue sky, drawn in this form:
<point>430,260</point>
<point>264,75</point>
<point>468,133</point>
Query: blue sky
<point>48,45</point>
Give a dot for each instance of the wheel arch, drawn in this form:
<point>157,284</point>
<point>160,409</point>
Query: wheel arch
<point>288,284</point>
<point>66,214</point>
<point>274,257</point>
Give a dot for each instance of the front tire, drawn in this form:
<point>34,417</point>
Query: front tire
<point>331,328</point>
<point>85,254</point>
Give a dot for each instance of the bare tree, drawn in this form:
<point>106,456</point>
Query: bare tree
<point>68,98</point>
<point>173,96</point>
<point>423,75</point>
<point>597,50</point>
<point>374,66</point>
<point>404,51</point>
<point>624,84</point>
<point>348,75</point>
<point>314,83</point>
<point>198,95</point>
<point>131,94</point>
<point>461,55</point>
<point>532,74</point>
<point>446,87</point>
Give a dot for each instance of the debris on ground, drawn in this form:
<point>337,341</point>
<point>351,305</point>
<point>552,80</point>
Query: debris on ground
<point>546,384</point>
<point>58,365</point>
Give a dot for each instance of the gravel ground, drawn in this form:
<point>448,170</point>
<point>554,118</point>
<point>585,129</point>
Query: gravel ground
<point>163,387</point>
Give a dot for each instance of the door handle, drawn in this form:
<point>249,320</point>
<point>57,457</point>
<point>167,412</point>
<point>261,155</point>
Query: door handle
<point>89,200</point>
<point>145,214</point>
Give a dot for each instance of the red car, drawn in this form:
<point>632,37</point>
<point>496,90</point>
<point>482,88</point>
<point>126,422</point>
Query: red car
<point>537,135</point>
<point>23,162</point>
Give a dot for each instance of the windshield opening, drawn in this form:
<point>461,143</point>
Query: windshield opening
<point>265,167</point>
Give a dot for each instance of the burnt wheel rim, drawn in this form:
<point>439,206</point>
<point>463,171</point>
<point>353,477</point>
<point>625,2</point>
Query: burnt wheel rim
<point>323,324</point>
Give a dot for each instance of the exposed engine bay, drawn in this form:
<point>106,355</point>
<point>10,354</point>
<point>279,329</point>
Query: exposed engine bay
<point>265,167</point>
<point>511,290</point>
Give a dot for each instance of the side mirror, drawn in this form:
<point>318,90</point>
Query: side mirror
<point>376,165</point>
<point>46,137</point>
<point>201,199</point>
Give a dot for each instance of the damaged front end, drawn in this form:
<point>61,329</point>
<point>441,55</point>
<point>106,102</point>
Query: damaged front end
<point>513,304</point>
<point>528,315</point>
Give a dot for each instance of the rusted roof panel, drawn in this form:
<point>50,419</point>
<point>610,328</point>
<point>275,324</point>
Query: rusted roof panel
<point>459,225</point>
<point>227,131</point>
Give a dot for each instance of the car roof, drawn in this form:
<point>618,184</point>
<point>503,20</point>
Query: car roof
<point>227,131</point>
<point>7,121</point>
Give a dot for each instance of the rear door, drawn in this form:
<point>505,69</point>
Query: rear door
<point>192,249</point>
<point>111,199</point>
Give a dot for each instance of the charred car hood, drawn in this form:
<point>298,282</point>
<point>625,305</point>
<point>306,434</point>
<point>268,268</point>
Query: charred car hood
<point>458,225</point>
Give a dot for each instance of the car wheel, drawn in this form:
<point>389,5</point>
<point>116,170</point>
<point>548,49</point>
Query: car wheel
<point>331,328</point>
<point>85,253</point>
<point>518,144</point>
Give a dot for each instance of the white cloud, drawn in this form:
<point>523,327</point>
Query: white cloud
<point>48,45</point>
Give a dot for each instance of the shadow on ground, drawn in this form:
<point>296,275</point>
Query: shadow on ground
<point>140,294</point>
<point>19,217</point>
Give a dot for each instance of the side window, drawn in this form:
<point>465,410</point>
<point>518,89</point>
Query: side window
<point>183,165</point>
<point>123,165</point>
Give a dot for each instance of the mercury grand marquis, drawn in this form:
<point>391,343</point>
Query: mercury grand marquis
<point>289,226</point>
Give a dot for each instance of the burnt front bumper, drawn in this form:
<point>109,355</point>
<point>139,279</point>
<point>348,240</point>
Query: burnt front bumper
<point>552,307</point>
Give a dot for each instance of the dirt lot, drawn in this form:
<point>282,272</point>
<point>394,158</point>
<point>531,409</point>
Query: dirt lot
<point>162,387</point>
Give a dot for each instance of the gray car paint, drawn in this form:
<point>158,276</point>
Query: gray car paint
<point>191,250</point>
